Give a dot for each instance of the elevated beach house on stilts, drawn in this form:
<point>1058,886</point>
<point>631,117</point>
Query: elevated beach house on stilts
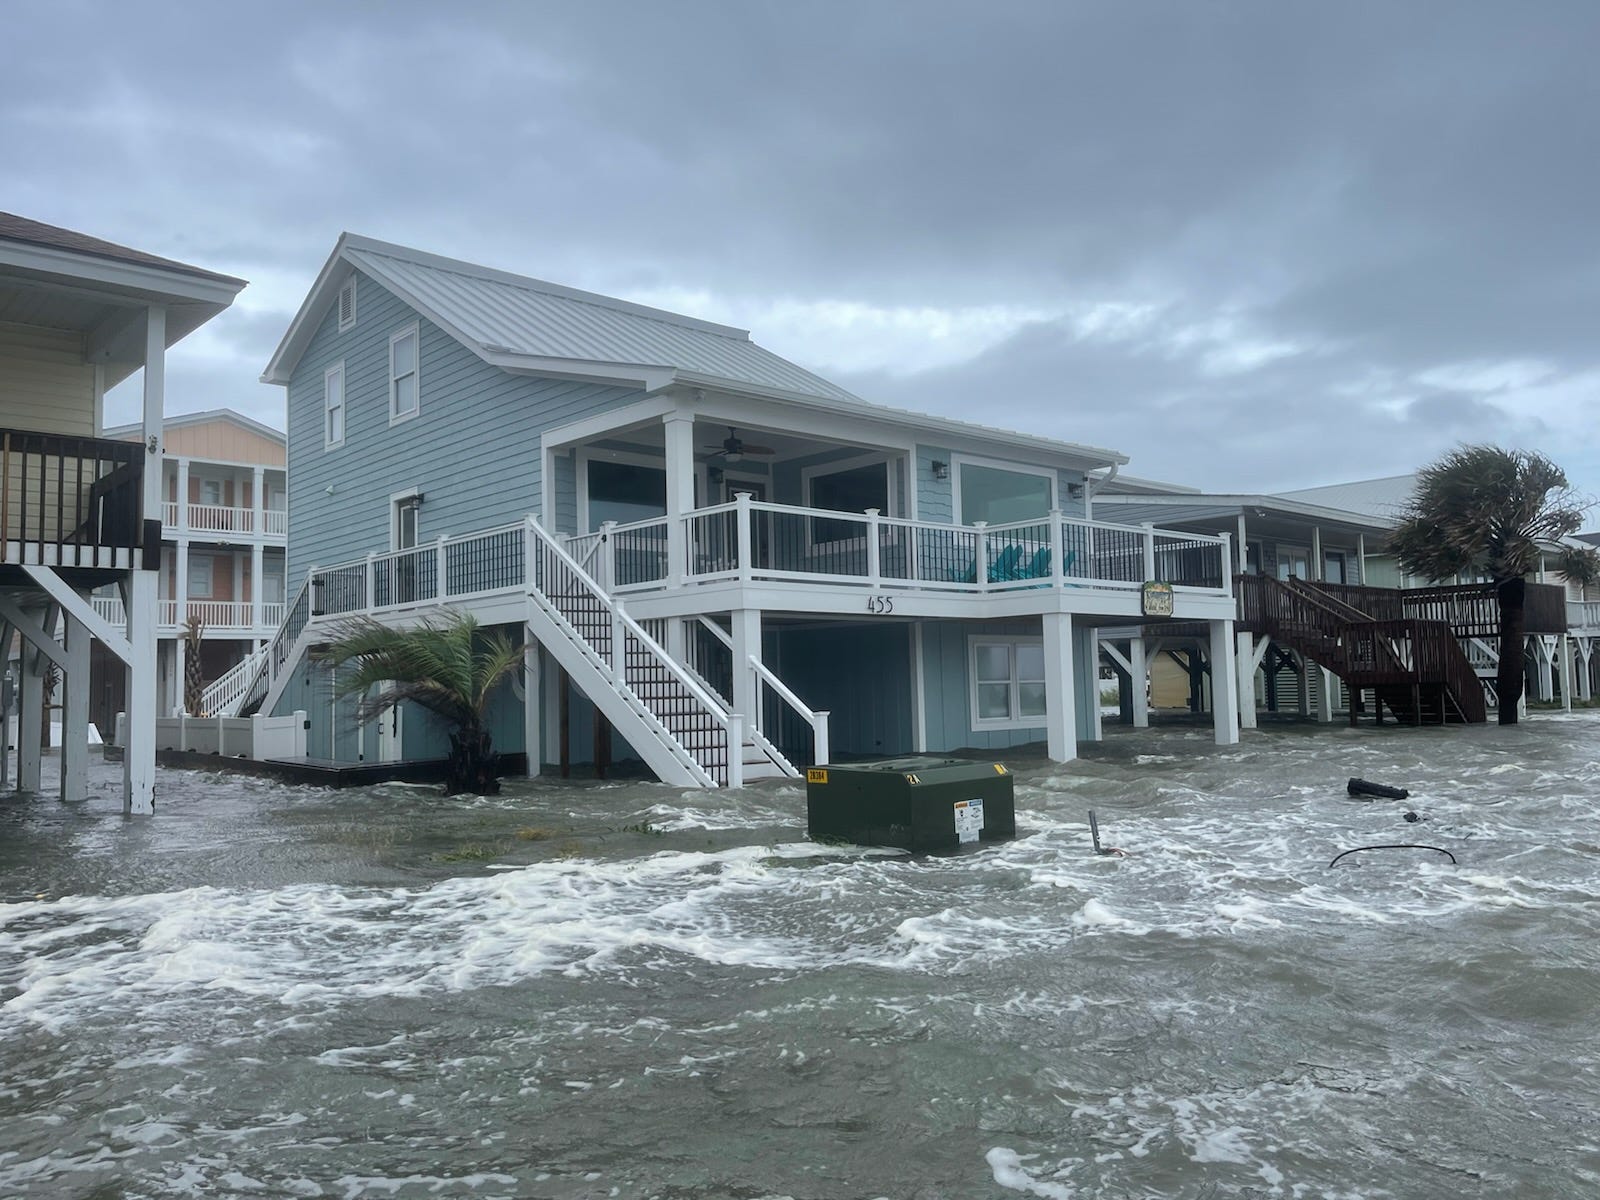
<point>78,510</point>
<point>733,564</point>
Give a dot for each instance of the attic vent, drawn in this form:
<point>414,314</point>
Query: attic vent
<point>347,304</point>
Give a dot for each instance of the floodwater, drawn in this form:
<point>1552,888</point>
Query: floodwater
<point>631,990</point>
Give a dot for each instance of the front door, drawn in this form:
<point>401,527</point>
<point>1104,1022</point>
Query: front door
<point>389,728</point>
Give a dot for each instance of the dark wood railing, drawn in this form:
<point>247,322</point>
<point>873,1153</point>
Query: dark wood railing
<point>1366,649</point>
<point>62,499</point>
<point>1470,609</point>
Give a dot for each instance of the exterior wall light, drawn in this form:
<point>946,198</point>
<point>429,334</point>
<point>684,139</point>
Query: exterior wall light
<point>941,470</point>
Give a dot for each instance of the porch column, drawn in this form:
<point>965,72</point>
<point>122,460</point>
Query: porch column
<point>678,437</point>
<point>183,497</point>
<point>1060,687</point>
<point>1224,684</point>
<point>1544,656</point>
<point>258,501</point>
<point>1327,694</point>
<point>1566,673</point>
<point>1585,647</point>
<point>1361,559</point>
<point>32,665</point>
<point>746,645</point>
<point>180,653</point>
<point>1139,669</point>
<point>1316,553</point>
<point>1246,661</point>
<point>180,584</point>
<point>139,758</point>
<point>532,691</point>
<point>75,712</point>
<point>1094,723</point>
<point>258,591</point>
<point>1304,683</point>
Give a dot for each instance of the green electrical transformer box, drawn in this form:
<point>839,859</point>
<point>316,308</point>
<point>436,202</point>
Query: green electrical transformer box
<point>920,804</point>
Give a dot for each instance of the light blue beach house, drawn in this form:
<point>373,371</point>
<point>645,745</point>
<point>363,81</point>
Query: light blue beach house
<point>736,565</point>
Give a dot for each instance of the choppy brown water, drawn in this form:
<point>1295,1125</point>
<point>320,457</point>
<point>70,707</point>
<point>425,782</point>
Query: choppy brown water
<point>598,990</point>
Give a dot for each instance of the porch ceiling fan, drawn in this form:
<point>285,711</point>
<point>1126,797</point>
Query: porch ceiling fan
<point>733,448</point>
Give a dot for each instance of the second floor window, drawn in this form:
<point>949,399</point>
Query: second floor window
<point>403,353</point>
<point>333,407</point>
<point>200,577</point>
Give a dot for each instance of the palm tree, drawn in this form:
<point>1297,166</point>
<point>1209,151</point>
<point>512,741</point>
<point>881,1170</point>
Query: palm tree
<point>447,666</point>
<point>1481,508</point>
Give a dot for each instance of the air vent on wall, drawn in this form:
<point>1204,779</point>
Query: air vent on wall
<point>347,304</point>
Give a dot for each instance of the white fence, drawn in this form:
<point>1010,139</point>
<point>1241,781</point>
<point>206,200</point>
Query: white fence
<point>254,737</point>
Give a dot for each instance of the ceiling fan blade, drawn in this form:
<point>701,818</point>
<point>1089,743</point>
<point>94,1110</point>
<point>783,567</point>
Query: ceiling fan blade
<point>752,448</point>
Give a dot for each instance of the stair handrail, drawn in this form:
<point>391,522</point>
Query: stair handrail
<point>729,722</point>
<point>282,642</point>
<point>816,718</point>
<point>1314,592</point>
<point>231,684</point>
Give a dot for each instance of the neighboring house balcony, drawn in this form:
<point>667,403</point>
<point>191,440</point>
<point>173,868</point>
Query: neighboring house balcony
<point>69,501</point>
<point>751,554</point>
<point>220,618</point>
<point>1583,617</point>
<point>226,523</point>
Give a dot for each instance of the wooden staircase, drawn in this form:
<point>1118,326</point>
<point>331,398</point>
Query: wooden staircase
<point>1414,667</point>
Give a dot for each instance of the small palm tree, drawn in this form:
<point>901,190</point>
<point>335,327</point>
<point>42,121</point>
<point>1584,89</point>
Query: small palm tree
<point>447,666</point>
<point>1481,508</point>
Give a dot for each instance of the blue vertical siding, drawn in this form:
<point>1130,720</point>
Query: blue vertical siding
<point>473,449</point>
<point>860,674</point>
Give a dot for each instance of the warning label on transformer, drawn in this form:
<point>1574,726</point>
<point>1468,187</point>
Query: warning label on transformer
<point>969,820</point>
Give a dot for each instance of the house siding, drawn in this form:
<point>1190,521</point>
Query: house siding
<point>859,674</point>
<point>48,386</point>
<point>470,415</point>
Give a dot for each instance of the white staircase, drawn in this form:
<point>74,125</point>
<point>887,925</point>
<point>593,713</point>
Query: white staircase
<point>678,724</point>
<point>222,696</point>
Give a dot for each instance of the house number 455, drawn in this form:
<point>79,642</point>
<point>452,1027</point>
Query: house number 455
<point>880,604</point>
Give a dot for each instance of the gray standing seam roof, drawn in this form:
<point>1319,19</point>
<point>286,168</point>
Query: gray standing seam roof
<point>524,316</point>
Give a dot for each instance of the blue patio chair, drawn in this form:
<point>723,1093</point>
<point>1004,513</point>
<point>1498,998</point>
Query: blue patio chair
<point>1004,568</point>
<point>1039,565</point>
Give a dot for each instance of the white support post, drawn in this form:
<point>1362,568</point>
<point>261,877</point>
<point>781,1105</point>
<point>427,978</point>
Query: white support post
<point>1139,669</point>
<point>441,585</point>
<point>1566,673</point>
<point>1304,683</point>
<point>369,583</point>
<point>678,436</point>
<point>1361,559</point>
<point>30,715</point>
<point>605,562</point>
<point>139,758</point>
<point>746,633</point>
<point>258,502</point>
<point>180,654</point>
<point>1058,545</point>
<point>183,500</point>
<point>980,555</point>
<point>744,542</point>
<point>1316,553</point>
<point>619,644</point>
<point>735,750</point>
<point>300,733</point>
<point>532,693</point>
<point>1097,730</point>
<point>258,585</point>
<point>874,572</point>
<point>1224,684</point>
<point>1060,686</point>
<point>1245,662</point>
<point>1327,695</point>
<point>75,712</point>
<point>819,739</point>
<point>1149,551</point>
<point>1585,668</point>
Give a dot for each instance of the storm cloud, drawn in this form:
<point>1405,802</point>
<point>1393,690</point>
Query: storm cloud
<point>1253,246</point>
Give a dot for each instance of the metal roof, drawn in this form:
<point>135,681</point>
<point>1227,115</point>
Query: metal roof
<point>1373,497</point>
<point>529,325</point>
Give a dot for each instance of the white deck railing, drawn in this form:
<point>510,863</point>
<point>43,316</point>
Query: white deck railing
<point>215,615</point>
<point>753,541</point>
<point>225,519</point>
<point>1583,616</point>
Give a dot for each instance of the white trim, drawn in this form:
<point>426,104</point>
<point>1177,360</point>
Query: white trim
<point>414,330</point>
<point>348,286</point>
<point>1017,720</point>
<point>343,406</point>
<point>580,474</point>
<point>957,461</point>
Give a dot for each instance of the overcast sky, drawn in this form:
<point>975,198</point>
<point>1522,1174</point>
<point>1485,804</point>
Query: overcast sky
<point>1253,246</point>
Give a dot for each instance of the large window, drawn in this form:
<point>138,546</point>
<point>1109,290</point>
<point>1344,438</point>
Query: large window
<point>1000,496</point>
<point>851,489</point>
<point>333,407</point>
<point>200,576</point>
<point>1007,682</point>
<point>623,492</point>
<point>403,381</point>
